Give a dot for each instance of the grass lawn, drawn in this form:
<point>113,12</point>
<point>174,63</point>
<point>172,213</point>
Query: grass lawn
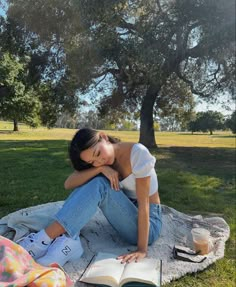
<point>196,175</point>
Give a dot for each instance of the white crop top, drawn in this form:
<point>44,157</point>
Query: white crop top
<point>142,165</point>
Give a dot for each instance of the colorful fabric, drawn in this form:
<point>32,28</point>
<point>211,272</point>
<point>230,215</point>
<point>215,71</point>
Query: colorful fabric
<point>18,268</point>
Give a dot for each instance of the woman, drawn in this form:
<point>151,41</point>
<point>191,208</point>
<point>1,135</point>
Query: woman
<point>120,179</point>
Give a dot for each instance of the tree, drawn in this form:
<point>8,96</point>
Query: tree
<point>137,46</point>
<point>207,121</point>
<point>45,91</point>
<point>193,126</point>
<point>17,103</point>
<point>211,121</point>
<point>18,99</point>
<point>231,122</point>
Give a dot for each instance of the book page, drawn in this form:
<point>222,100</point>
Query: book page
<point>105,269</point>
<point>146,270</point>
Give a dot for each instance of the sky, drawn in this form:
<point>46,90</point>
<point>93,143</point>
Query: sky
<point>2,12</point>
<point>221,106</point>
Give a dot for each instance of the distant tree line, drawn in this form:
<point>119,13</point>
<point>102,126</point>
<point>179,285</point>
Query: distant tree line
<point>230,122</point>
<point>211,121</point>
<point>92,118</point>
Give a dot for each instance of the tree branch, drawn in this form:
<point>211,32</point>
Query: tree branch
<point>182,36</point>
<point>114,72</point>
<point>215,73</point>
<point>159,6</point>
<point>125,25</point>
<point>188,31</point>
<point>197,51</point>
<point>190,83</point>
<point>103,78</point>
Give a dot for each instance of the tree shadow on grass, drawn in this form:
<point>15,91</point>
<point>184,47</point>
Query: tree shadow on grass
<point>6,132</point>
<point>194,134</point>
<point>219,162</point>
<point>219,136</point>
<point>197,180</point>
<point>214,135</point>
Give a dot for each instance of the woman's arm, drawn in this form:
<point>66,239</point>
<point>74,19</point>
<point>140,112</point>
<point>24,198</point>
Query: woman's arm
<point>78,178</point>
<point>142,190</point>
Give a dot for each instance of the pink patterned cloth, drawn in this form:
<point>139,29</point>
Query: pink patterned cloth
<point>18,269</point>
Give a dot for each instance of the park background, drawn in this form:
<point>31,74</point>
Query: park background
<point>158,72</point>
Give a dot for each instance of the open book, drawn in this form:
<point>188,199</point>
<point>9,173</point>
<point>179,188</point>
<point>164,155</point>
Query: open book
<point>105,269</point>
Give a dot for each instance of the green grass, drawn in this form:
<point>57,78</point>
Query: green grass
<point>196,175</point>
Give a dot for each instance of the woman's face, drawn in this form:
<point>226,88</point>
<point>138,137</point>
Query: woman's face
<point>100,154</point>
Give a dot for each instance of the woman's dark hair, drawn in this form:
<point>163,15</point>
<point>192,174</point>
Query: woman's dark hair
<point>83,139</point>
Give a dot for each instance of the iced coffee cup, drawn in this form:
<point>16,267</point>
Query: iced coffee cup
<point>201,238</point>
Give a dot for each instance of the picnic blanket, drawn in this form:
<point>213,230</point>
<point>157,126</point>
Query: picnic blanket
<point>98,235</point>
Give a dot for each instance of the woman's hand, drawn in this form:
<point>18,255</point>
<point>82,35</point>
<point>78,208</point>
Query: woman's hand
<point>132,256</point>
<point>112,175</point>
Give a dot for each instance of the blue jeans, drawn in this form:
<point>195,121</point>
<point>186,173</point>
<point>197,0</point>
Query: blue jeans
<point>119,210</point>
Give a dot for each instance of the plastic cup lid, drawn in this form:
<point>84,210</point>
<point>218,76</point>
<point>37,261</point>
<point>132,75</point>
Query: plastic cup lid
<point>200,231</point>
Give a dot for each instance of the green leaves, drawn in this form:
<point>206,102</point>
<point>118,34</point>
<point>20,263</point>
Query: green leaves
<point>231,122</point>
<point>207,121</point>
<point>19,103</point>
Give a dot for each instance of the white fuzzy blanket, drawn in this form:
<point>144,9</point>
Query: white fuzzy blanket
<point>98,235</point>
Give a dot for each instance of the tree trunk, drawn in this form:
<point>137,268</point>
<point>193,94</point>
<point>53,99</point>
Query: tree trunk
<point>147,135</point>
<point>16,128</point>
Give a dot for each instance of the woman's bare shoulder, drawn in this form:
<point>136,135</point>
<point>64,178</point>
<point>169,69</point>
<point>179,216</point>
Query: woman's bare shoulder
<point>125,150</point>
<point>126,146</point>
<point>123,164</point>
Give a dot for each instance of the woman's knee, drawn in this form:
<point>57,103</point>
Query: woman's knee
<point>131,240</point>
<point>93,183</point>
<point>97,181</point>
